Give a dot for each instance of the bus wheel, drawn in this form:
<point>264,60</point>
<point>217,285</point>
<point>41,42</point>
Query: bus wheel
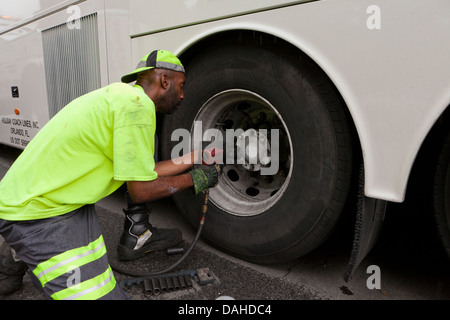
<point>267,212</point>
<point>441,194</point>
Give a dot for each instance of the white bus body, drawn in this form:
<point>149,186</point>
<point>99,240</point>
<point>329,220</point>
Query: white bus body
<point>389,61</point>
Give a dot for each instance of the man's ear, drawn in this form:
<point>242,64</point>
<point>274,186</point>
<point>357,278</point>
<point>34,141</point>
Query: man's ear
<point>165,81</point>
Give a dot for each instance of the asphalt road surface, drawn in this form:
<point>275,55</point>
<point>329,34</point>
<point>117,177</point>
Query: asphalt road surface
<point>408,258</point>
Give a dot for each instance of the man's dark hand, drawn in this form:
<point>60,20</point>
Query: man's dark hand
<point>205,177</point>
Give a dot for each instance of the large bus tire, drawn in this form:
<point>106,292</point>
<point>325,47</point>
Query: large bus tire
<point>281,216</point>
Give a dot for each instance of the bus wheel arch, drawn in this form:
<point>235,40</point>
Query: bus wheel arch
<point>321,171</point>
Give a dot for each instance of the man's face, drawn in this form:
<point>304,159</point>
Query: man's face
<point>171,99</point>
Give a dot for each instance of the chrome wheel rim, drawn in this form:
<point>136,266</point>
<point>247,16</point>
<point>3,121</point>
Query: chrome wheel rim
<point>243,190</point>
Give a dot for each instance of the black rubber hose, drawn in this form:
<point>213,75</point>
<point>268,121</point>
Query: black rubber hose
<point>144,274</point>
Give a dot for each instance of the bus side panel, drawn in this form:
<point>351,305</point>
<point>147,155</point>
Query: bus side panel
<point>50,62</point>
<point>23,111</point>
<point>150,16</point>
<point>394,79</point>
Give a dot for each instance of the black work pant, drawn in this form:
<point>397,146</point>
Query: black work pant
<point>67,255</point>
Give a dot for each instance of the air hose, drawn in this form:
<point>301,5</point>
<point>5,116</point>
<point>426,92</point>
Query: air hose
<point>144,274</point>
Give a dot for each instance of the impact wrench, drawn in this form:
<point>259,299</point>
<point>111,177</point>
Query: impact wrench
<point>194,242</point>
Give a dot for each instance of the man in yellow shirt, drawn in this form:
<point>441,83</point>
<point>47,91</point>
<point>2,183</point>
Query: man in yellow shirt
<point>88,150</point>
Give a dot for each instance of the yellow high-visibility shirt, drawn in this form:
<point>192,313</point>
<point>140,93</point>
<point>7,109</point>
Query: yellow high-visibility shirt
<point>83,154</point>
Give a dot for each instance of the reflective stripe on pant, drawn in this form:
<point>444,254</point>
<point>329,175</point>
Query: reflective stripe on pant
<point>67,254</point>
<point>72,261</point>
<point>90,289</point>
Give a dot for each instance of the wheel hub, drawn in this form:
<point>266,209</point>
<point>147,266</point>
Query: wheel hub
<point>253,150</point>
<point>243,189</point>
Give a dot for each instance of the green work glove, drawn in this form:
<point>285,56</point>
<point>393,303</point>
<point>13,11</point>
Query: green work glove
<point>205,177</point>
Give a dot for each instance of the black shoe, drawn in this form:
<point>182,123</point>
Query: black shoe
<point>140,237</point>
<point>160,239</point>
<point>11,271</point>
